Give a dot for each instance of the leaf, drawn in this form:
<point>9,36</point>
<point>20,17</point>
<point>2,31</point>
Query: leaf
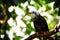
<point>49,1</point>
<point>13,15</point>
<point>38,2</point>
<point>59,12</point>
<point>17,37</point>
<point>48,7</point>
<point>56,4</point>
<point>52,24</point>
<point>28,29</point>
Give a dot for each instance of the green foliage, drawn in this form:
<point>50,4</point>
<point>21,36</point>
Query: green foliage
<point>49,1</point>
<point>52,24</point>
<point>13,15</point>
<point>17,38</point>
<point>29,29</point>
<point>38,4</point>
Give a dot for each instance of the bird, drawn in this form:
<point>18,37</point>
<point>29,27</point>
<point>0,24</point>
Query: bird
<point>40,23</point>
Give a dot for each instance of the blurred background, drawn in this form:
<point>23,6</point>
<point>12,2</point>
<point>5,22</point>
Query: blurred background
<point>16,24</point>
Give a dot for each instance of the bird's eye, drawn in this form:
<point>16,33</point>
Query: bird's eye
<point>32,12</point>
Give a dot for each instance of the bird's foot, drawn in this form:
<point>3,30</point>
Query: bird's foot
<point>45,33</point>
<point>37,33</point>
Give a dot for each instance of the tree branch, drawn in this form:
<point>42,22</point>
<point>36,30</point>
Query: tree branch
<point>47,36</point>
<point>4,14</point>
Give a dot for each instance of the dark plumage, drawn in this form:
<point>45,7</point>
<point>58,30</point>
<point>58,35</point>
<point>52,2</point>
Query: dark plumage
<point>40,23</point>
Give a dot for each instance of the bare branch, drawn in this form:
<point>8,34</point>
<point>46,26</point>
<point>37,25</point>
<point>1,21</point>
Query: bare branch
<point>47,36</point>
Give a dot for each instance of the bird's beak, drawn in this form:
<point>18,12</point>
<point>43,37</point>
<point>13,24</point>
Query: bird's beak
<point>29,13</point>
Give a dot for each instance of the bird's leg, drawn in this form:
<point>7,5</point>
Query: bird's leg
<point>37,34</point>
<point>44,35</point>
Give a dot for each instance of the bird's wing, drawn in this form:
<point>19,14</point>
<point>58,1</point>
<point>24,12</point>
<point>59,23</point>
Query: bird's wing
<point>42,21</point>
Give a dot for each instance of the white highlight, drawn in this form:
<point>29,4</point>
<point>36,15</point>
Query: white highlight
<point>32,33</point>
<point>19,11</point>
<point>1,21</point>
<point>32,2</point>
<point>10,34</point>
<point>2,36</point>
<point>20,22</point>
<point>10,22</point>
<point>27,18</point>
<point>32,24</point>
<point>43,8</point>
<point>11,8</point>
<point>32,8</point>
<point>24,37</point>
<point>35,39</point>
<point>59,30</point>
<point>24,4</point>
<point>24,29</point>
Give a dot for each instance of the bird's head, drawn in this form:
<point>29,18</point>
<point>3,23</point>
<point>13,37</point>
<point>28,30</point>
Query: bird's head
<point>34,13</point>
